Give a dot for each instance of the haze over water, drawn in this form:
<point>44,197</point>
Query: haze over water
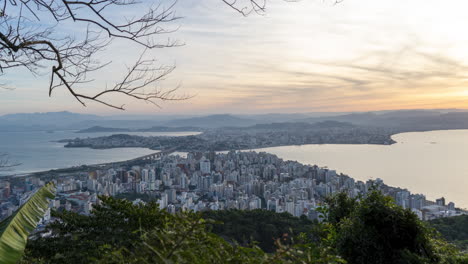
<point>432,163</point>
<point>36,150</point>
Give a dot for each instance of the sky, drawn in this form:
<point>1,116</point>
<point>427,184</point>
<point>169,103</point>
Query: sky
<point>307,56</point>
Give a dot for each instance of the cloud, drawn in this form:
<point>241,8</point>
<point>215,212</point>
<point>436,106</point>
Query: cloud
<point>305,56</point>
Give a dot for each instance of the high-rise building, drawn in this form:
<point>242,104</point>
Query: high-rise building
<point>171,195</point>
<point>205,166</point>
<point>145,175</point>
<point>451,206</point>
<point>440,201</point>
<point>402,199</point>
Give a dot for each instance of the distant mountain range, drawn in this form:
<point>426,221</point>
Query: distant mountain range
<point>43,121</point>
<point>213,121</point>
<point>297,126</point>
<point>405,120</point>
<point>98,129</point>
<point>416,120</point>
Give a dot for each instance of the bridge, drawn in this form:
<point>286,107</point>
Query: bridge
<point>149,157</point>
<point>157,155</point>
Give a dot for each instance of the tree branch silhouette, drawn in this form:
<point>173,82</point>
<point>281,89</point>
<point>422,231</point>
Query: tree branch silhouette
<point>6,163</point>
<point>28,40</point>
<point>25,42</point>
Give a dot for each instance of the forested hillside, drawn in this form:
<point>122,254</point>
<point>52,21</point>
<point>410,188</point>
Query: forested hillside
<point>454,229</point>
<point>261,226</point>
<point>371,230</point>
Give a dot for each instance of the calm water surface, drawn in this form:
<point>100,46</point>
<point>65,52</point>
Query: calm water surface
<point>36,151</point>
<point>433,163</point>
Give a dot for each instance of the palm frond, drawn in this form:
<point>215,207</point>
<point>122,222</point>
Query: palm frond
<point>14,230</point>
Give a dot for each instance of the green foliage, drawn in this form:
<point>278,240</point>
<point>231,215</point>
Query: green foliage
<point>77,237</point>
<point>376,230</point>
<point>261,227</point>
<point>339,206</point>
<point>185,240</point>
<point>182,240</point>
<point>120,232</point>
<point>14,230</point>
<point>454,229</point>
<point>370,230</point>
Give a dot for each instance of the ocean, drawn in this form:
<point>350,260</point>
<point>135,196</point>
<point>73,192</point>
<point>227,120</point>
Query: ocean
<point>36,151</point>
<point>432,163</point>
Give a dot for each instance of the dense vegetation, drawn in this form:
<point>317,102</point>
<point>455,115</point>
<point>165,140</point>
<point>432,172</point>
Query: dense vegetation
<point>261,226</point>
<point>121,232</point>
<point>376,230</point>
<point>454,229</point>
<point>372,230</point>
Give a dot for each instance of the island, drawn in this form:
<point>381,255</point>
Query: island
<point>100,129</point>
<point>252,137</point>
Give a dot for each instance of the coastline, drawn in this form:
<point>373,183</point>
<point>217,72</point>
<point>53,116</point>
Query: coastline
<point>73,169</point>
<point>66,172</point>
<point>61,170</point>
<point>362,161</point>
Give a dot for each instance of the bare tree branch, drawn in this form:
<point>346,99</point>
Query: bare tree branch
<point>247,7</point>
<point>29,40</point>
<point>25,42</point>
<point>6,163</point>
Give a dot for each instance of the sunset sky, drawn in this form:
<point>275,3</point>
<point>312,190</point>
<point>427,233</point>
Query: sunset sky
<point>309,56</point>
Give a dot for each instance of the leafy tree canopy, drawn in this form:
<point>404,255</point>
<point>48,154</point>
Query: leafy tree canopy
<point>261,226</point>
<point>121,232</point>
<point>376,230</point>
<point>454,229</point>
<point>371,229</point>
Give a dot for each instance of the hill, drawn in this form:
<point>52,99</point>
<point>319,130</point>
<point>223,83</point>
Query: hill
<point>370,230</point>
<point>212,121</point>
<point>43,121</point>
<point>170,129</point>
<point>261,226</point>
<point>403,120</point>
<point>299,126</point>
<point>98,129</point>
<point>454,229</point>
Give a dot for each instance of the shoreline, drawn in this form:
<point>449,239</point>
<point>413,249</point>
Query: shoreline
<point>58,170</point>
<point>81,167</point>
<point>66,172</point>
<point>85,143</point>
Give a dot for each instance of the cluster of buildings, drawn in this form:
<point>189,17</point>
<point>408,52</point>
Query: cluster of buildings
<point>258,136</point>
<point>214,181</point>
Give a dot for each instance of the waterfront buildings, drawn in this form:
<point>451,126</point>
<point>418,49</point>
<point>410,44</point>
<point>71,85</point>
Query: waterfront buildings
<point>214,181</point>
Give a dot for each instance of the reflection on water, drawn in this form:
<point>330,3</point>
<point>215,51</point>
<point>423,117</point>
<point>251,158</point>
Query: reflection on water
<point>36,151</point>
<point>433,163</point>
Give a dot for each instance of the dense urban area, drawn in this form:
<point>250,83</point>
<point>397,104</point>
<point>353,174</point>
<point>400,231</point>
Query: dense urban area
<point>210,181</point>
<point>257,136</point>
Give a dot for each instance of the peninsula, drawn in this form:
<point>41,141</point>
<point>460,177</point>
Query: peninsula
<point>257,136</point>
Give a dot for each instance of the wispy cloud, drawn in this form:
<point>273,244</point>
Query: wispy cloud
<point>305,56</point>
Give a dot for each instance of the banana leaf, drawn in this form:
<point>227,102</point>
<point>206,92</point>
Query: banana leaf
<point>14,230</point>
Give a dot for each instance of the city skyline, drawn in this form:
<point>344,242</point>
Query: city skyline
<point>200,181</point>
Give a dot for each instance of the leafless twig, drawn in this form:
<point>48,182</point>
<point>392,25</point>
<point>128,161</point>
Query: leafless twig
<point>246,7</point>
<point>26,42</point>
<point>6,163</point>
